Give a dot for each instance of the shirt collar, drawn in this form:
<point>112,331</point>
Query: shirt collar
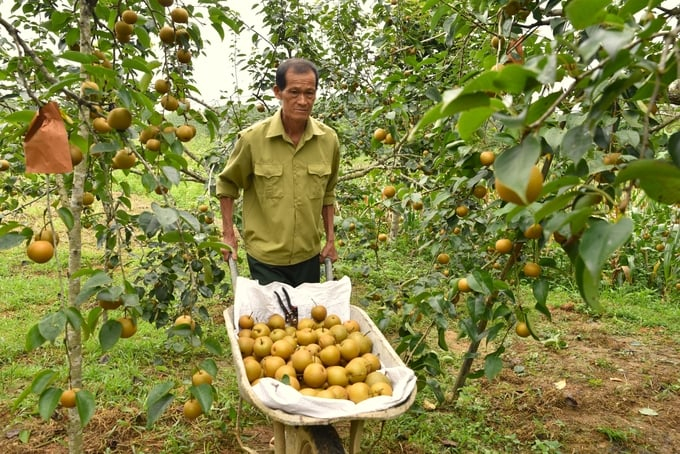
<point>276,127</point>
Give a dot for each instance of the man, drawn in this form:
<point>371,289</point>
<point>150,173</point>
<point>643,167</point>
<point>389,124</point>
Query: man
<point>287,166</point>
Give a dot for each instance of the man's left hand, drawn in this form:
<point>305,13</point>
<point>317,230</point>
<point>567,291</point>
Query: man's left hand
<point>328,251</point>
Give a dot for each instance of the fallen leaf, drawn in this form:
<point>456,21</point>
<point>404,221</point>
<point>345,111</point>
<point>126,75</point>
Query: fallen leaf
<point>427,405</point>
<point>560,384</point>
<point>648,412</point>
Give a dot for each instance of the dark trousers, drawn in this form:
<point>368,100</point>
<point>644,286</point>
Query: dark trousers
<point>307,271</point>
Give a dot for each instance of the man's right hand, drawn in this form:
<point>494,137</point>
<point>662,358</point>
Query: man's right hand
<point>231,241</point>
<point>228,234</point>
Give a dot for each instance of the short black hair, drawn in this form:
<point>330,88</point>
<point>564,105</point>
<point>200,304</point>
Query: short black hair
<point>298,66</point>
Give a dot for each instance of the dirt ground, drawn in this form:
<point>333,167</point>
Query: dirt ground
<point>594,393</point>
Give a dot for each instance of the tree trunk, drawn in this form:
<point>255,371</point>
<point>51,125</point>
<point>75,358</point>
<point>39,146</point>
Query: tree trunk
<point>73,337</point>
<point>394,227</point>
<point>464,370</point>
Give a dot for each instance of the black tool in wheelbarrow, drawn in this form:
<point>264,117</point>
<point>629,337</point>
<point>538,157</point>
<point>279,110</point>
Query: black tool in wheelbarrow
<point>289,310</point>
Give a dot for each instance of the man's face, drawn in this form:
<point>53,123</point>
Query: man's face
<point>298,98</point>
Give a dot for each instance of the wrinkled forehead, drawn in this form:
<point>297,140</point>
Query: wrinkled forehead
<point>301,81</point>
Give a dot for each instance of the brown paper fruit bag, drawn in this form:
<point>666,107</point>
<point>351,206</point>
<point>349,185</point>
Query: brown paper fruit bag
<point>46,142</point>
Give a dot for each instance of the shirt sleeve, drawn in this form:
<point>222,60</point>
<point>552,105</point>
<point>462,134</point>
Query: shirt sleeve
<point>329,196</point>
<point>236,174</point>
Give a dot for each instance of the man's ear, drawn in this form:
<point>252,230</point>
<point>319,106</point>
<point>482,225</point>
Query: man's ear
<point>277,92</point>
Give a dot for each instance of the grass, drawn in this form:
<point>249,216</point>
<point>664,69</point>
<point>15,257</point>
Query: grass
<point>122,377</point>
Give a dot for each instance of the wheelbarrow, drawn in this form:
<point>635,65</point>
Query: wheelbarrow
<point>301,434</point>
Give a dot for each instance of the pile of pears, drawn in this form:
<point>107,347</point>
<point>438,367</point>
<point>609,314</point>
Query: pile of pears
<point>323,356</point>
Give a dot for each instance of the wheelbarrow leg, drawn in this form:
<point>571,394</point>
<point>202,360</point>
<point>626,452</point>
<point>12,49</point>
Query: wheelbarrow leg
<point>313,440</point>
<point>356,430</point>
<point>279,438</point>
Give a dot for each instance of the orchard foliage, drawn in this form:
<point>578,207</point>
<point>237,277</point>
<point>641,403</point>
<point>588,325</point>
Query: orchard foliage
<point>586,91</point>
<point>159,262</point>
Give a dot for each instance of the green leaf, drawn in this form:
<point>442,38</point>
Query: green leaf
<point>659,179</point>
<point>42,380</point>
<point>33,338</point>
<point>204,394</point>
<point>191,220</point>
<point>492,366</point>
<point>176,236</point>
<point>25,436</point>
<point>24,394</point>
<point>631,7</point>
<point>11,240</point>
<point>166,216</point>
<point>66,217</point>
<point>553,205</point>
<point>213,122</point>
<point>109,334</point>
<point>612,41</point>
<point>156,408</point>
<point>540,290</point>
<point>480,282</point>
<point>52,325</point>
<point>105,147</point>
<point>137,63</point>
<point>471,120</point>
<point>598,242</point>
<point>158,392</point>
<point>93,318</point>
<point>215,245</point>
<point>441,339</point>
<point>93,285</point>
<point>453,101</point>
<point>674,148</point>
<point>612,93</point>
<point>576,142</point>
<point>78,57</point>
<point>514,79</point>
<point>75,318</point>
<point>22,117</point>
<point>172,174</point>
<point>48,401</point>
<point>464,102</point>
<point>9,226</point>
<point>213,345</point>
<point>209,365</point>
<point>513,166</point>
<point>539,107</point>
<point>584,13</point>
<point>86,406</point>
<point>588,288</point>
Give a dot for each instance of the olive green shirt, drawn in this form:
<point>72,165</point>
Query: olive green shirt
<point>284,188</point>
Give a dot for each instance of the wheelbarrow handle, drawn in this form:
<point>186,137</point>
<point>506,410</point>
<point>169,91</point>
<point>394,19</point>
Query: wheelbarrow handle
<point>233,269</point>
<point>329,268</point>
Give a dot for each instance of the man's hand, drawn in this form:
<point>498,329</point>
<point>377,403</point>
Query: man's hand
<point>230,239</point>
<point>228,235</point>
<point>328,251</point>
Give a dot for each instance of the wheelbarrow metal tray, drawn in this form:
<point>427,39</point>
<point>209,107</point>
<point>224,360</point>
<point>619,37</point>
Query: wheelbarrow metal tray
<point>381,347</point>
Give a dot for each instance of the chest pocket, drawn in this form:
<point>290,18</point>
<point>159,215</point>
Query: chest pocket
<point>268,180</point>
<point>318,175</point>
